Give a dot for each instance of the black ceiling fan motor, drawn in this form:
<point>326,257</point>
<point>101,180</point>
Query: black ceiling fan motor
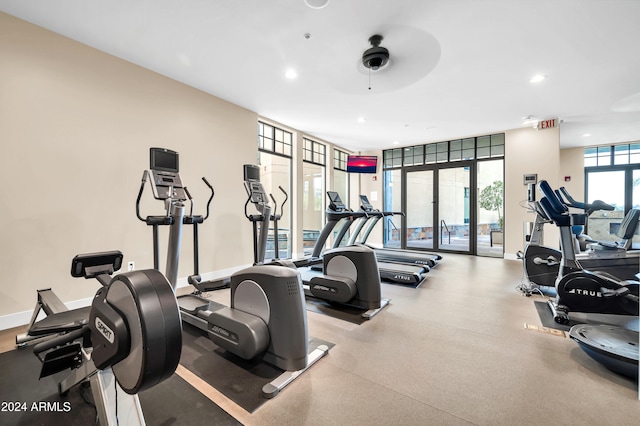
<point>377,56</point>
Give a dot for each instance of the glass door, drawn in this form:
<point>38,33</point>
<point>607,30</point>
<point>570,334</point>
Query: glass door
<point>419,209</point>
<point>437,205</point>
<point>454,219</point>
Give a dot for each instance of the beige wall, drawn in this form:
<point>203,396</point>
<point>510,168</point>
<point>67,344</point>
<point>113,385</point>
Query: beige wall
<point>572,166</point>
<point>527,151</point>
<point>76,126</point>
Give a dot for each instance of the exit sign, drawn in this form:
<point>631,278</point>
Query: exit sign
<point>548,124</point>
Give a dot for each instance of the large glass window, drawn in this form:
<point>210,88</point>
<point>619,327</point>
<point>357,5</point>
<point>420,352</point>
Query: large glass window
<point>490,223</point>
<point>612,174</point>
<point>313,189</point>
<point>607,186</point>
<point>274,159</point>
<point>340,175</point>
<point>392,200</point>
<point>273,139</point>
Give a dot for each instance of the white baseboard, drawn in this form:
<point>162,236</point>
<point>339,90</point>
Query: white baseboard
<point>511,256</point>
<point>21,318</point>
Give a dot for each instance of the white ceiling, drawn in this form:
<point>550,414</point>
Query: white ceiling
<point>458,67</point>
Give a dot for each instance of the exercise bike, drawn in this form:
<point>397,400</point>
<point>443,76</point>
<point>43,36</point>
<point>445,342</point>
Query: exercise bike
<point>542,264</point>
<point>130,341</point>
<point>578,289</point>
<point>266,318</point>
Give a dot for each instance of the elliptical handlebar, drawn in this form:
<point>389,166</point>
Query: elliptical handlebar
<point>286,197</point>
<point>186,191</point>
<point>275,204</point>
<point>204,179</point>
<point>144,182</point>
<point>246,213</point>
<point>190,218</point>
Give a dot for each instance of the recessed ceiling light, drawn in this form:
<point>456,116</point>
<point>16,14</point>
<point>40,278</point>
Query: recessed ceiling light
<point>529,120</point>
<point>537,78</point>
<point>586,135</point>
<point>316,4</point>
<point>291,74</point>
<point>396,142</point>
<point>361,120</point>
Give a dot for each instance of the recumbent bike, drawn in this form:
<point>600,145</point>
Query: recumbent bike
<point>131,333</point>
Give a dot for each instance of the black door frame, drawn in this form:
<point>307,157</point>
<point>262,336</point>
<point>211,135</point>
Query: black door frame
<point>471,165</point>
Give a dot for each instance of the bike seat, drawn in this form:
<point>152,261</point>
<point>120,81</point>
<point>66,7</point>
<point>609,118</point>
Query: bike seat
<point>61,322</point>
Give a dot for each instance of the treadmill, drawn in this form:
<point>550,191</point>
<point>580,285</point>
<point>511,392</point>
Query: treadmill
<point>412,257</point>
<point>389,271</point>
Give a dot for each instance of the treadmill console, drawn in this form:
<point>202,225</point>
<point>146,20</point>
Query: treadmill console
<point>335,203</point>
<point>365,205</point>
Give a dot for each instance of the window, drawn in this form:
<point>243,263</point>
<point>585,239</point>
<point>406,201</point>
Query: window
<point>490,146</point>
<point>340,160</point>
<point>462,149</point>
<point>274,139</point>
<point>313,152</point>
<point>612,174</point>
<point>340,175</point>
<point>392,203</point>
<point>597,156</point>
<point>274,158</point>
<point>414,155</point>
<point>392,158</point>
<point>313,188</point>
<point>442,152</point>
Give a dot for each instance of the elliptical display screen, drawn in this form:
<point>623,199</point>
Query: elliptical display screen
<point>164,160</point>
<point>251,173</point>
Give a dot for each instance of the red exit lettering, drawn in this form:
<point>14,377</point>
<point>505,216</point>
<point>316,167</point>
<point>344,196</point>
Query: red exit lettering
<point>547,124</point>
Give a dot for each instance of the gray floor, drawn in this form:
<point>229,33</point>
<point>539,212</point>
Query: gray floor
<point>454,351</point>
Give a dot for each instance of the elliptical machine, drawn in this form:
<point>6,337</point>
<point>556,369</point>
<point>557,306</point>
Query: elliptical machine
<point>266,318</point>
<point>348,275</point>
<point>578,289</point>
<point>132,334</point>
